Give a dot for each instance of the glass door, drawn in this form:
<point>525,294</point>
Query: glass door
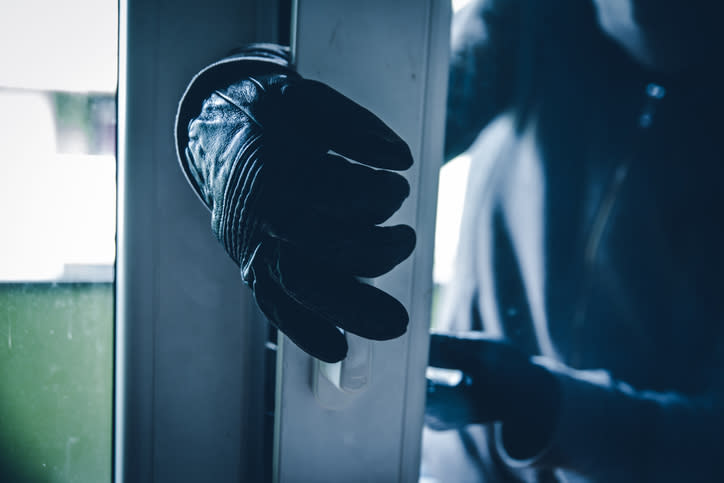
<point>57,248</point>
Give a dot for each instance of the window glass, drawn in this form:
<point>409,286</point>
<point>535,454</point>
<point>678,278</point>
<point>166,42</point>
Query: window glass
<point>57,249</point>
<point>450,200</point>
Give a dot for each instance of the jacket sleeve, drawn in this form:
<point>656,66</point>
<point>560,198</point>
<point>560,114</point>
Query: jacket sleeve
<point>609,431</point>
<point>484,52</point>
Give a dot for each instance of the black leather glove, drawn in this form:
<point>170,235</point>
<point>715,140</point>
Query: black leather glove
<point>499,384</point>
<point>264,148</point>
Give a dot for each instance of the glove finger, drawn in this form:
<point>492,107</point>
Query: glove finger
<point>484,392</point>
<point>464,351</point>
<point>346,127</point>
<point>450,407</point>
<point>489,360</point>
<point>372,255</point>
<point>343,190</point>
<point>367,251</point>
<point>340,298</point>
<point>311,333</point>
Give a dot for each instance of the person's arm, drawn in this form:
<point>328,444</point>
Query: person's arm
<point>551,416</point>
<point>607,429</point>
<point>484,53</point>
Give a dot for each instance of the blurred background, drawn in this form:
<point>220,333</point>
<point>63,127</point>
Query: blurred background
<point>57,245</point>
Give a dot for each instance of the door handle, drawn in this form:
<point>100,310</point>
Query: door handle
<point>337,384</point>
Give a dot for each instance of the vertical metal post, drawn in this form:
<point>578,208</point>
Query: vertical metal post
<point>187,356</point>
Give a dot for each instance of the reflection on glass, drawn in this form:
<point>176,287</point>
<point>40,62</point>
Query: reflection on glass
<point>57,249</point>
<point>450,200</point>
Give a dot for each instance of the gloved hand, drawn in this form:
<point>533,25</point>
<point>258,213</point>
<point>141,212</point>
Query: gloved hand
<point>265,150</point>
<point>499,384</point>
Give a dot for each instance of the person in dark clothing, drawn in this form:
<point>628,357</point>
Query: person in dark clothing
<point>585,312</point>
<point>590,238</point>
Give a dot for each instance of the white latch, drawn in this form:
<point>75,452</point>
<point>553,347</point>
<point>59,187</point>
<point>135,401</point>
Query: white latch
<point>336,384</point>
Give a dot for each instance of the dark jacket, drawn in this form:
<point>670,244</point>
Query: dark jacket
<point>592,236</point>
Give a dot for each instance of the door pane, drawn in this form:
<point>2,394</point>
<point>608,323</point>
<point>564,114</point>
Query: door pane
<point>57,249</point>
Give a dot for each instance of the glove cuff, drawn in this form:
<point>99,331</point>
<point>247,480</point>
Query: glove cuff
<point>249,60</point>
<point>239,221</point>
